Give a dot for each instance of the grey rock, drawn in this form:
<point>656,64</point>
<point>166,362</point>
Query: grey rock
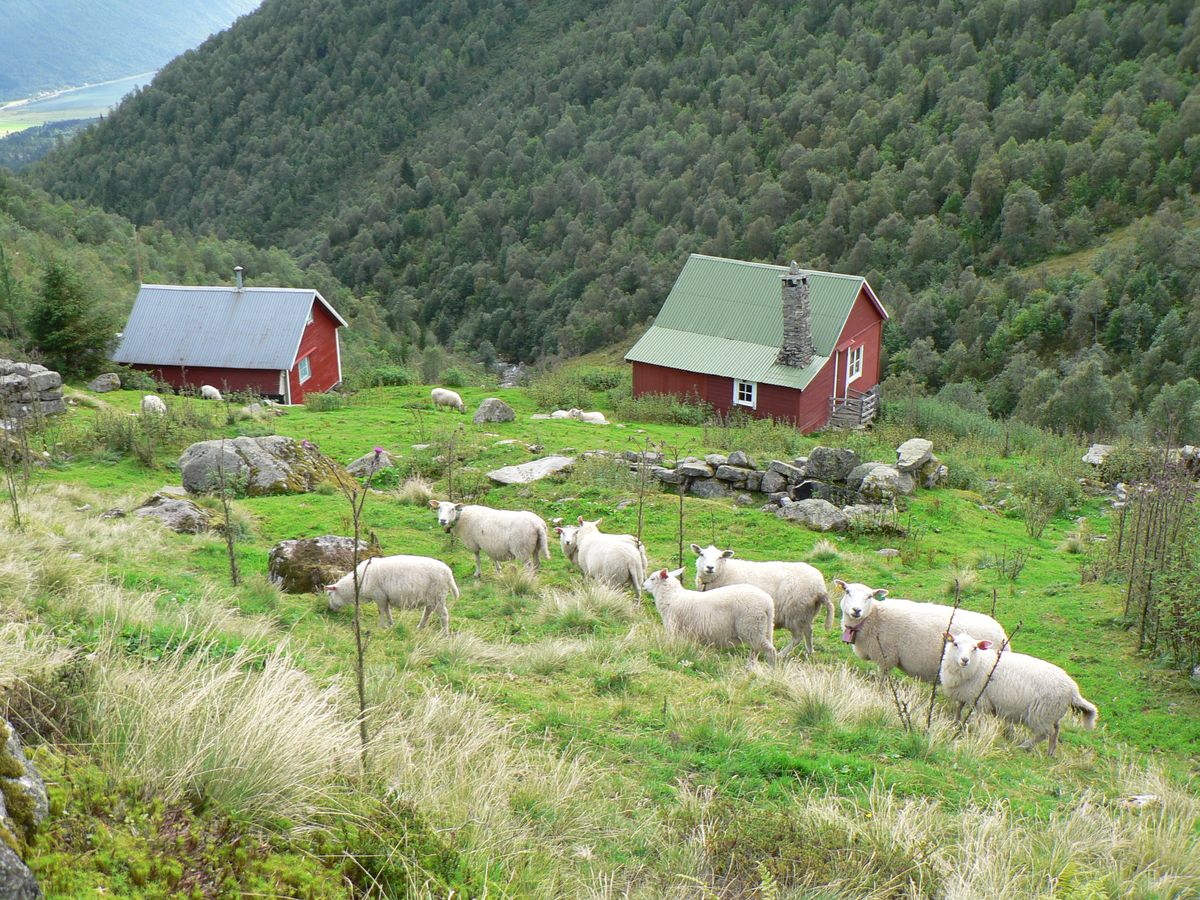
<point>531,471</point>
<point>809,489</point>
<point>868,515</point>
<point>306,565</point>
<point>115,513</point>
<point>888,552</point>
<point>625,504</point>
<point>913,454</point>
<point>716,459</point>
<point>740,459</point>
<point>180,515</point>
<point>793,474</point>
<point>754,481</point>
<point>818,515</point>
<point>778,498</point>
<point>30,783</point>
<point>647,456</point>
<point>709,488</point>
<point>1097,454</point>
<point>855,479</point>
<point>667,476</point>
<point>51,407</point>
<point>800,462</point>
<point>41,382</point>
<point>773,482</point>
<point>934,475</point>
<point>493,409</point>
<point>371,464</point>
<point>16,881</point>
<point>257,466</point>
<point>743,500</point>
<point>102,384</point>
<point>887,483</point>
<point>732,474</point>
<point>695,470</point>
<point>830,463</point>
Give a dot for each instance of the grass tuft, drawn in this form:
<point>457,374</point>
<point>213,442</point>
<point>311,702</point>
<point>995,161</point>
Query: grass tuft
<point>584,609</point>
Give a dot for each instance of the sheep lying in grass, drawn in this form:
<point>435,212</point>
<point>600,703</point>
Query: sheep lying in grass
<point>208,392</point>
<point>399,582</point>
<point>722,617</point>
<point>613,559</point>
<point>446,397</point>
<point>797,588</point>
<point>500,533</point>
<point>1022,689</point>
<point>591,418</point>
<point>900,633</point>
<point>153,405</point>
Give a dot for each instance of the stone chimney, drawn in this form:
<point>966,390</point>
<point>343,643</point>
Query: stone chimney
<point>797,349</point>
<point>237,273</point>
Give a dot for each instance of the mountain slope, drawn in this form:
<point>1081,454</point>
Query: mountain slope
<point>48,44</point>
<point>532,175</point>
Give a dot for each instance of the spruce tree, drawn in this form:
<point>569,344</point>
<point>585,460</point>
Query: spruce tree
<point>72,336</point>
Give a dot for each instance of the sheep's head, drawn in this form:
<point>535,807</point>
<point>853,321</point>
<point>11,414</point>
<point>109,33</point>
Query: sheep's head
<point>447,513</point>
<point>710,561</point>
<point>858,601</point>
<point>567,537</point>
<point>338,595</point>
<point>962,649</point>
<point>662,577</point>
<point>585,525</point>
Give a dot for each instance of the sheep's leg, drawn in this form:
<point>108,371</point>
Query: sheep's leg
<point>385,616</point>
<point>958,708</point>
<point>496,564</point>
<point>444,615</point>
<point>424,618</point>
<point>791,645</point>
<point>1052,740</point>
<point>772,656</point>
<point>808,644</point>
<point>478,570</point>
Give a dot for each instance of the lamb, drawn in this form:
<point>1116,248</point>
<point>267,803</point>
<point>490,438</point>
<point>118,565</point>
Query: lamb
<point>153,404</point>
<point>446,397</point>
<point>722,617</point>
<point>1022,688</point>
<point>500,533</point>
<point>614,559</point>
<point>591,418</point>
<point>797,588</point>
<point>900,633</point>
<point>208,392</point>
<point>399,582</point>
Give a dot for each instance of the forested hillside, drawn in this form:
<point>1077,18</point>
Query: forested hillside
<point>531,176</point>
<point>47,44</point>
<point>99,253</point>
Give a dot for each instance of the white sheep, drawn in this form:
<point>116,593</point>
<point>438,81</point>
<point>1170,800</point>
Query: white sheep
<point>797,588</point>
<point>724,617</point>
<point>152,404</point>
<point>561,414</point>
<point>591,418</point>
<point>208,392</point>
<point>399,582</point>
<point>500,533</point>
<point>891,632</point>
<point>1023,689</point>
<point>446,397</point>
<point>614,559</point>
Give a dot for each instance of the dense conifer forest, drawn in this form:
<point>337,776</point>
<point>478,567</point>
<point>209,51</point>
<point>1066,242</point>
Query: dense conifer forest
<point>529,177</point>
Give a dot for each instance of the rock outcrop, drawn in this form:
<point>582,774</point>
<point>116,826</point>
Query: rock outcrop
<point>24,805</point>
<point>102,384</point>
<point>306,565</point>
<point>493,409</point>
<point>531,471</point>
<point>177,513</point>
<point>257,466</point>
<point>27,389</point>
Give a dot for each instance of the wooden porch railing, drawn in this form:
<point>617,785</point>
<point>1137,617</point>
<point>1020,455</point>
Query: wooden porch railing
<point>855,410</point>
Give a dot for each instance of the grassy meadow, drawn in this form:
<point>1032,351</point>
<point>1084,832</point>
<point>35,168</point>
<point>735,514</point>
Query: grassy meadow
<point>201,740</point>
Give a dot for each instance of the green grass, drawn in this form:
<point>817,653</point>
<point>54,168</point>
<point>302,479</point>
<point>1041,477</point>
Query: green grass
<point>593,683</point>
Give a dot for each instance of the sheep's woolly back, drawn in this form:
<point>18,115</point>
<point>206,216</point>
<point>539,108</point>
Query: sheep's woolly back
<point>399,582</point>
<point>503,534</point>
<point>910,636</point>
<point>724,617</point>
<point>614,559</point>
<point>152,403</point>
<point>446,397</point>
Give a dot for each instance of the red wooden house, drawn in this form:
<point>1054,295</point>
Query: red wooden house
<point>278,342</point>
<point>802,347</point>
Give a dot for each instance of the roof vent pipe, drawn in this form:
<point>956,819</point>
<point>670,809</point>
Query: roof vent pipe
<point>237,273</point>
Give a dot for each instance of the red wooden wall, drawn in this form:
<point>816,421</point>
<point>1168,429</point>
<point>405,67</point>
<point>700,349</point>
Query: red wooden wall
<point>261,381</point>
<point>808,409</point>
<point>319,345</point>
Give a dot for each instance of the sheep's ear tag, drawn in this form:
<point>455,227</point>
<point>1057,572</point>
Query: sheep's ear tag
<point>948,636</point>
<point>663,574</point>
<point>557,529</point>
<point>330,588</point>
<point>840,583</point>
<point>581,520</point>
<point>881,594</point>
<point>983,645</point>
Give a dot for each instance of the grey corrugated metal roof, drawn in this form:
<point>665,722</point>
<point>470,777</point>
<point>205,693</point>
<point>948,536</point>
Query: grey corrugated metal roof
<point>725,317</point>
<point>254,328</point>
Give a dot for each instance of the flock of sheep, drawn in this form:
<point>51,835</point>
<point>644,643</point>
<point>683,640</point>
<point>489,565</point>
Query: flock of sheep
<point>741,602</point>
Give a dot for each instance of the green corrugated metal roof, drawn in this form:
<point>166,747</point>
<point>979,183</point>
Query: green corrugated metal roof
<point>725,317</point>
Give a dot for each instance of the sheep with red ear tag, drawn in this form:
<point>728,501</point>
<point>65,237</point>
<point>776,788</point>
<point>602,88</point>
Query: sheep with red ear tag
<point>723,617</point>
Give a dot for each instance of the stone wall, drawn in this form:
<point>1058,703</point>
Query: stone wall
<point>27,389</point>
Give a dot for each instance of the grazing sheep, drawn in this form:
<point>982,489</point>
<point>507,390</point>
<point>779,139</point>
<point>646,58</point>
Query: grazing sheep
<point>592,418</point>
<point>723,617</point>
<point>797,588</point>
<point>208,392</point>
<point>399,582</point>
<point>1023,689</point>
<point>500,533</point>
<point>895,632</point>
<point>153,404</point>
<point>614,559</point>
<point>446,397</point>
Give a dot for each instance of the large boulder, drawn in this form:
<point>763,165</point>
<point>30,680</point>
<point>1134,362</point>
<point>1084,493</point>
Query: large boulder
<point>709,488</point>
<point>885,483</point>
<point>913,454</point>
<point>740,459</point>
<point>1097,454</point>
<point>794,474</point>
<point>531,471</point>
<point>102,384</point>
<point>16,881</point>
<point>258,466</point>
<point>24,805</point>
<point>733,474</point>
<point>306,565</point>
<point>818,515</point>
<point>28,389</point>
<point>773,482</point>
<point>667,476</point>
<point>493,409</point>
<point>830,463</point>
<point>695,469</point>
<point>371,463</point>
<point>855,479</point>
<point>178,514</point>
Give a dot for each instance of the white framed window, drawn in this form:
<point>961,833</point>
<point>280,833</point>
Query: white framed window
<point>854,361</point>
<point>309,320</point>
<point>305,370</point>
<point>745,393</point>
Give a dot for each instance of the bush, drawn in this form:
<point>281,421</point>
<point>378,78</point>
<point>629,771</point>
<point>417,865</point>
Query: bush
<point>380,376</point>
<point>325,402</point>
<point>454,377</point>
<point>1045,491</point>
<point>664,409</point>
<point>561,390</point>
<point>137,380</point>
<point>603,379</point>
